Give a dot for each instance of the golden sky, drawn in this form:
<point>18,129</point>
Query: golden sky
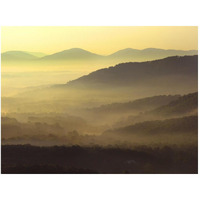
<point>97,39</point>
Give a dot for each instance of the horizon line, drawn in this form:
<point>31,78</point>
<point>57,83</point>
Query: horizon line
<point>96,53</point>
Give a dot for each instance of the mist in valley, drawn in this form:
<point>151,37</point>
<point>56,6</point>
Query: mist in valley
<point>134,112</point>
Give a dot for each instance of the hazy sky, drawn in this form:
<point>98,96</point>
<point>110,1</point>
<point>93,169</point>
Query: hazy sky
<point>101,40</point>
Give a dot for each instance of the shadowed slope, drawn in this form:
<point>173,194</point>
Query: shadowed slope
<point>166,72</point>
<point>168,126</point>
<point>138,105</point>
<point>185,105</point>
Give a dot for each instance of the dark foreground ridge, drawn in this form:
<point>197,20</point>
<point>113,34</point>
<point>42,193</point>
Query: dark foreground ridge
<point>27,159</point>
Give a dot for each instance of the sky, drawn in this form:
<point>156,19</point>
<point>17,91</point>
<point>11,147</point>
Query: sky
<point>97,39</point>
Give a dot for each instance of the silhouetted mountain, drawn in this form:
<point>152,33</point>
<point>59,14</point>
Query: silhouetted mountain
<point>17,55</point>
<point>130,54</point>
<point>72,54</point>
<point>167,73</point>
<point>168,126</point>
<point>77,54</point>
<point>124,55</point>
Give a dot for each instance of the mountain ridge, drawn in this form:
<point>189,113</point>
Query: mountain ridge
<point>170,126</point>
<point>17,55</point>
<point>123,55</point>
<point>73,53</point>
<point>185,105</point>
<point>133,72</point>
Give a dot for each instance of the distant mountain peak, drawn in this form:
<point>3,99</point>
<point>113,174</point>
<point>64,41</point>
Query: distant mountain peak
<point>129,49</point>
<point>151,48</point>
<point>79,54</point>
<point>73,53</point>
<point>76,49</point>
<point>15,52</point>
<point>126,50</point>
<point>17,55</point>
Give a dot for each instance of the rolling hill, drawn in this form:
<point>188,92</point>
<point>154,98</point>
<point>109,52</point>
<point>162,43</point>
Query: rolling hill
<point>169,126</point>
<point>74,54</point>
<point>138,105</point>
<point>167,73</point>
<point>37,54</point>
<point>125,81</point>
<point>78,54</point>
<point>17,56</point>
<point>130,54</point>
<point>185,105</point>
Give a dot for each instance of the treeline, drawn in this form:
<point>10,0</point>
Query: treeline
<point>61,159</point>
